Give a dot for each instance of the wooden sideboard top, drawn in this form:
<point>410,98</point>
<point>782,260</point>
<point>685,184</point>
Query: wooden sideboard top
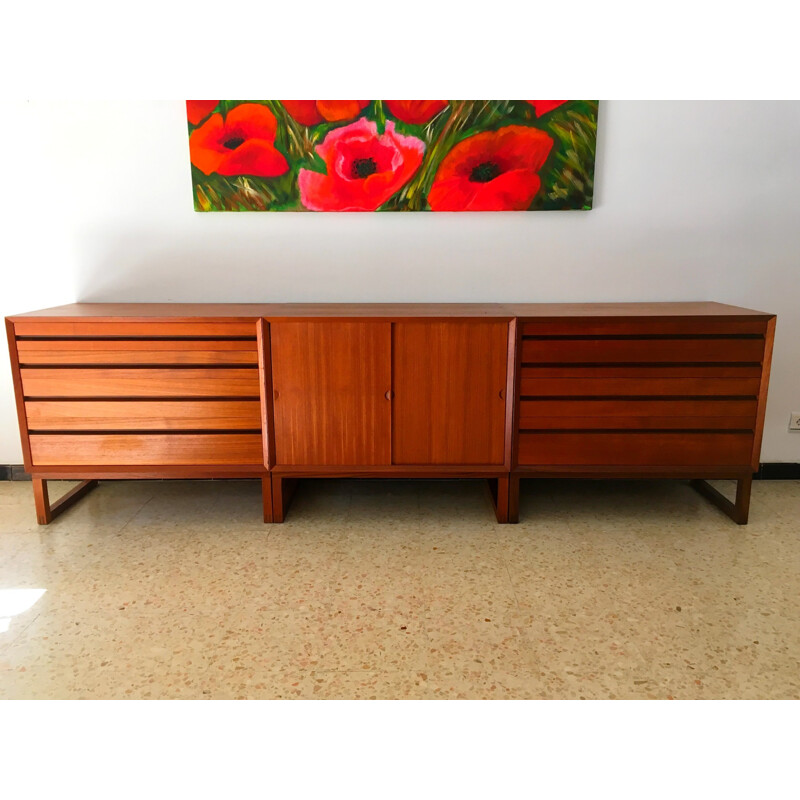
<point>144,311</point>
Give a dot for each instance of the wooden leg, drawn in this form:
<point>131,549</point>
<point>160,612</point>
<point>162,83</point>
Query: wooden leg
<point>266,496</point>
<point>513,499</point>
<point>45,512</point>
<point>739,510</point>
<point>498,489</point>
<point>743,488</point>
<point>42,501</point>
<point>282,491</point>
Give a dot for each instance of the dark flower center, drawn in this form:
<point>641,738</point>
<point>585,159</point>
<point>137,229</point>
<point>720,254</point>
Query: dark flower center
<point>363,167</point>
<point>485,172</point>
<point>233,142</point>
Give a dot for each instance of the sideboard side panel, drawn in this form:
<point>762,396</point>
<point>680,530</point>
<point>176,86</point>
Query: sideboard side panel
<point>766,366</point>
<point>19,395</point>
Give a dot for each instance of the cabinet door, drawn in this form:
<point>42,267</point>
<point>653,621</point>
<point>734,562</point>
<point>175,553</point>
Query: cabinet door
<point>449,392</point>
<point>331,384</point>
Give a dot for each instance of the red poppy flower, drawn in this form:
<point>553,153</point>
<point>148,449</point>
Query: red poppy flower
<point>363,169</point>
<point>491,171</point>
<point>415,112</point>
<point>198,110</point>
<point>544,106</point>
<point>312,112</point>
<point>241,144</point>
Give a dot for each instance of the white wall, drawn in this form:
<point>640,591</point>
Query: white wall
<point>694,201</point>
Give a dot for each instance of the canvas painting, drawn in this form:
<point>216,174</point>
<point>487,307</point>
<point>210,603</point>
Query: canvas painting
<point>392,155</point>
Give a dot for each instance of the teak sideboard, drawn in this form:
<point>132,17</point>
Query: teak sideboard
<point>286,391</point>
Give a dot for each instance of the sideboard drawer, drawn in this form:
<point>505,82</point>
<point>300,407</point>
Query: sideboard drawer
<point>644,325</point>
<point>587,413</point>
<point>650,448</point>
<point>677,350</point>
<point>144,382</point>
<point>139,328</point>
<point>146,449</point>
<point>142,415</point>
<point>643,385</point>
<point>136,352</point>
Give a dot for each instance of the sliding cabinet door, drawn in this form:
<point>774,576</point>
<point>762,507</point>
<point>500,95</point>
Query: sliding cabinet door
<point>332,392</point>
<point>449,387</point>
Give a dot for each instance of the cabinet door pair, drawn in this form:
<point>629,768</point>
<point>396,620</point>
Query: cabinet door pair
<point>389,393</point>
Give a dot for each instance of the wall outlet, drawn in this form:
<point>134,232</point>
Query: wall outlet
<point>794,421</point>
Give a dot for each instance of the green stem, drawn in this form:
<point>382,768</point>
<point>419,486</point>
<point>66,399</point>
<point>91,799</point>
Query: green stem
<point>418,189</point>
<point>380,116</point>
<point>298,143</point>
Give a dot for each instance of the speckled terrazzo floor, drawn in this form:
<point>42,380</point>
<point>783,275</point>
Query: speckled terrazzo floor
<point>395,589</point>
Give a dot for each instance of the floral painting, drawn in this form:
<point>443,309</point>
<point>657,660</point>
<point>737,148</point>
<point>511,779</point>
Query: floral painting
<point>392,155</point>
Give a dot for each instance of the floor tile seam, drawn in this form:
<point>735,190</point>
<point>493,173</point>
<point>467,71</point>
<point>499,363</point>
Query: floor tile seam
<point>136,513</point>
<point>18,551</point>
<point>20,633</point>
<point>511,582</point>
<point>105,544</point>
<point>69,511</point>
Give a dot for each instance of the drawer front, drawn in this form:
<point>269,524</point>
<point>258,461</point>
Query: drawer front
<point>140,328</point>
<point>643,326</point>
<point>136,352</point>
<point>146,449</point>
<point>637,414</point>
<point>143,415</point>
<point>614,448</point>
<point>636,386</point>
<point>54,382</point>
<point>643,351</point>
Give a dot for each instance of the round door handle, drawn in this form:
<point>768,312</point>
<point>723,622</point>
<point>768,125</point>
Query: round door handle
<point>389,394</point>
<point>502,394</point>
<point>275,394</point>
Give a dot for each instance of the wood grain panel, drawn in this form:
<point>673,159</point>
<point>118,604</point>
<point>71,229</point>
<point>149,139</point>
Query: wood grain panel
<point>238,311</point>
<point>149,449</point>
<point>56,382</point>
<point>644,351</point>
<point>631,313</point>
<point>266,399</point>
<point>530,410</point>
<point>638,387</point>
<point>644,326</point>
<point>18,395</point>
<point>141,351</point>
<point>449,392</point>
<point>638,423</point>
<point>762,394</point>
<point>145,328</point>
<point>150,472</point>
<point>330,385</point>
<point>643,371</point>
<point>654,449</point>
<point>141,415</point>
